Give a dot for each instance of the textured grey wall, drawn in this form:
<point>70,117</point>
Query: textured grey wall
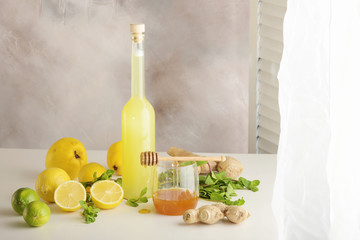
<point>65,71</point>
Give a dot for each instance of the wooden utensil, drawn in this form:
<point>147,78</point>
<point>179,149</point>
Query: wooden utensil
<point>152,158</point>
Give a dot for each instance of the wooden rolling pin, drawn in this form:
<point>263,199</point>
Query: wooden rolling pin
<point>152,158</point>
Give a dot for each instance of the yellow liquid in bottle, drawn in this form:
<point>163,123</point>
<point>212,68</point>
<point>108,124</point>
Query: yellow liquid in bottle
<point>138,132</point>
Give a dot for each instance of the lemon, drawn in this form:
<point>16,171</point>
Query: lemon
<point>69,194</point>
<point>47,182</point>
<point>106,194</point>
<point>21,198</point>
<point>114,157</point>
<point>36,213</point>
<point>68,154</point>
<point>87,172</point>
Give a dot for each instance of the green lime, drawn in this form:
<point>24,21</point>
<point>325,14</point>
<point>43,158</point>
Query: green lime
<point>36,213</point>
<point>22,197</point>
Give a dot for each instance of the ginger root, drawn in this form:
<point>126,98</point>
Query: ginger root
<point>236,214</point>
<point>179,152</point>
<point>211,214</point>
<point>191,216</point>
<point>221,206</point>
<point>232,167</point>
<point>208,214</point>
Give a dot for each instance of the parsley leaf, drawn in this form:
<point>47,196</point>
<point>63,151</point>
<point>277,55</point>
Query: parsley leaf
<point>250,185</point>
<point>216,196</point>
<point>217,187</point>
<point>105,176</point>
<point>209,180</point>
<point>119,181</point>
<point>90,211</point>
<point>132,202</point>
<point>238,202</point>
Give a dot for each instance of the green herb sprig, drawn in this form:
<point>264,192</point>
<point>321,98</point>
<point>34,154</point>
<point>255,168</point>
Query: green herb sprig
<point>105,176</point>
<point>119,181</point>
<point>90,211</point>
<point>217,187</point>
<point>132,202</point>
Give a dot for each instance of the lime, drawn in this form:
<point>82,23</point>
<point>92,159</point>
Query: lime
<point>21,198</point>
<point>36,213</point>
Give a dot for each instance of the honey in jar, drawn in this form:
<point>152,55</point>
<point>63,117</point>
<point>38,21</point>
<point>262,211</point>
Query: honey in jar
<point>174,201</point>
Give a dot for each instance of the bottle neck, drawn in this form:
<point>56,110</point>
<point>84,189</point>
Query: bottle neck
<point>137,67</point>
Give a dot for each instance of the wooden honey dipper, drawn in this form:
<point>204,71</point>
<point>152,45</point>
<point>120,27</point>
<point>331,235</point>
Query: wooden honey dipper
<point>152,158</point>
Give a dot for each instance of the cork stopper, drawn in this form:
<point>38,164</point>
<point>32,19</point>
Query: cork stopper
<point>137,28</point>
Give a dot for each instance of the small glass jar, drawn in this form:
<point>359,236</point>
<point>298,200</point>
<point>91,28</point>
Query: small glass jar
<point>175,187</point>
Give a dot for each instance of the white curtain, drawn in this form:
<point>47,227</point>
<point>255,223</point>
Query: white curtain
<point>317,188</point>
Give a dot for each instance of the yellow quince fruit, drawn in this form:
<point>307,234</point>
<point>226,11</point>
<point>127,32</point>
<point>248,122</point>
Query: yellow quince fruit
<point>68,154</point>
<point>114,157</point>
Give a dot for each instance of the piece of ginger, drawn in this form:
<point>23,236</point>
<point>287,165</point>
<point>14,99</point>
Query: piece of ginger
<point>179,152</point>
<point>206,214</point>
<point>236,214</point>
<point>232,167</point>
<point>211,214</point>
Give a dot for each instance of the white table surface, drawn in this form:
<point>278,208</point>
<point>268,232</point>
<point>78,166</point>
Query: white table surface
<point>20,168</point>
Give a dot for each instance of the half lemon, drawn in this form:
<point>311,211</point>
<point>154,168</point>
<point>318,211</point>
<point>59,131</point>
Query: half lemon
<point>69,194</point>
<point>106,194</point>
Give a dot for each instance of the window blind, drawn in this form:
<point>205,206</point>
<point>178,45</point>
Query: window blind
<point>270,46</point>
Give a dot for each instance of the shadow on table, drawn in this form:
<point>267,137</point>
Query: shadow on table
<point>221,221</point>
<point>8,212</point>
<point>56,210</point>
<point>20,223</point>
<point>15,220</point>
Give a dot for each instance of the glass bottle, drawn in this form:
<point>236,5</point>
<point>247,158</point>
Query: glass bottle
<point>138,123</point>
